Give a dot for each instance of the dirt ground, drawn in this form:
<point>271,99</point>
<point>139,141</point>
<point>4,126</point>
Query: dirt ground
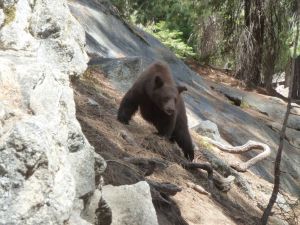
<point>227,77</point>
<point>96,106</point>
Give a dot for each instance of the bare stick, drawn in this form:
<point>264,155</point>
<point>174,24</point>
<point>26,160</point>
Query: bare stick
<point>198,188</point>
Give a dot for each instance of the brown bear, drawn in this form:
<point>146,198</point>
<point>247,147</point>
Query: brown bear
<point>161,104</point>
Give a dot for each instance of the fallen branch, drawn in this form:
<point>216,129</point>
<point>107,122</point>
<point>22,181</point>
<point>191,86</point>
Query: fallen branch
<point>223,183</point>
<point>198,188</point>
<point>243,166</point>
<point>165,188</point>
<point>148,166</point>
<point>205,166</point>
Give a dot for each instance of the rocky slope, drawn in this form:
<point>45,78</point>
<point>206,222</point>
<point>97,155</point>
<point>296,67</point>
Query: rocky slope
<point>48,170</point>
<point>126,149</point>
<point>123,51</point>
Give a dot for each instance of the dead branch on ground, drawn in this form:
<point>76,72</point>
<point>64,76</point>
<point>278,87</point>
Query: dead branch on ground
<point>243,166</point>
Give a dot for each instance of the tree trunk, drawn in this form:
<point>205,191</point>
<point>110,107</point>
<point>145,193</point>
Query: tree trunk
<point>296,86</point>
<point>271,44</point>
<point>257,20</point>
<point>251,53</point>
<point>247,12</point>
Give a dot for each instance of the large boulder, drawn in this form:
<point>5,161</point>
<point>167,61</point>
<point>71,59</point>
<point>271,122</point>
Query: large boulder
<point>46,163</point>
<point>129,204</point>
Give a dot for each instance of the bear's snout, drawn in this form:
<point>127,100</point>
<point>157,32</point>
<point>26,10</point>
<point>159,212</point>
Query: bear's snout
<point>170,111</point>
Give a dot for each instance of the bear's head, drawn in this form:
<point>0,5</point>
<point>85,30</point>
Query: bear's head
<point>165,95</point>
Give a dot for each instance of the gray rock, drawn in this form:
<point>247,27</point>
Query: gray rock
<point>121,72</point>
<point>130,204</point>
<point>46,163</point>
<point>209,129</point>
<point>7,3</point>
<point>292,136</point>
<point>75,218</point>
<point>120,44</point>
<point>14,34</point>
<point>100,164</point>
<point>277,221</point>
<point>127,136</point>
<point>295,109</point>
<point>271,106</point>
<point>92,102</point>
<point>2,17</point>
<point>89,213</point>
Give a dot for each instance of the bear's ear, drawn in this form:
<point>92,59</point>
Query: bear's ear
<point>181,88</point>
<point>158,82</point>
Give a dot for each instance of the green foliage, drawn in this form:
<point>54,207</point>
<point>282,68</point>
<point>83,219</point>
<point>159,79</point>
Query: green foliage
<point>181,15</point>
<point>244,105</point>
<point>210,30</point>
<point>171,38</point>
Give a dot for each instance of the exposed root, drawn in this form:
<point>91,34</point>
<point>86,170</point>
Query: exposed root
<point>164,188</point>
<point>205,166</point>
<point>148,166</point>
<point>243,166</point>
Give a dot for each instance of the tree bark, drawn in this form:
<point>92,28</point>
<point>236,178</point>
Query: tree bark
<point>257,20</point>
<point>296,87</point>
<point>271,44</point>
<point>252,47</point>
<point>247,12</point>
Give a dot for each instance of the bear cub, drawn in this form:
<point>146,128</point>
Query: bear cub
<point>161,104</point>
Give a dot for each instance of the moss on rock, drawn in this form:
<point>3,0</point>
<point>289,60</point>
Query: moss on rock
<point>10,14</point>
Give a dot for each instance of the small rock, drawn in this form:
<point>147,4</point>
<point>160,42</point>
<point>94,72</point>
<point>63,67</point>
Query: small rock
<point>92,102</point>
<point>208,129</point>
<point>128,137</point>
<point>7,3</point>
<point>100,163</point>
<point>277,221</point>
<point>295,109</point>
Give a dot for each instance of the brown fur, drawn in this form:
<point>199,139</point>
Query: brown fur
<point>161,104</point>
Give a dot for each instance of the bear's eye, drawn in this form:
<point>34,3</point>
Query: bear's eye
<point>165,99</point>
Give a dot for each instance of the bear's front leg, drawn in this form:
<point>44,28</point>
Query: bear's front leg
<point>129,105</point>
<point>166,127</point>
